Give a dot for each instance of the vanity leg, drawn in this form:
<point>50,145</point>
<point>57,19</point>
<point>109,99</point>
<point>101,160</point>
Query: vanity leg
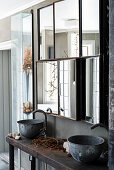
<point>32,159</point>
<point>11,157</point>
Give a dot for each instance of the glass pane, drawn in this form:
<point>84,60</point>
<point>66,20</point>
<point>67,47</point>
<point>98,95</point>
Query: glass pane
<point>90,27</point>
<point>27,65</point>
<point>67,29</point>
<point>68,95</point>
<point>92,90</point>
<point>47,86</point>
<point>21,65</point>
<point>46,33</point>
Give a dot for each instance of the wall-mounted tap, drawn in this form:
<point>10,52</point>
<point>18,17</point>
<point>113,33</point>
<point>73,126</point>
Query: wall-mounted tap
<point>49,110</point>
<point>45,124</point>
<point>99,125</point>
<point>105,152</point>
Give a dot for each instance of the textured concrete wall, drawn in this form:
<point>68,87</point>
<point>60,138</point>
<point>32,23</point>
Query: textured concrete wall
<point>111,85</point>
<point>5,29</point>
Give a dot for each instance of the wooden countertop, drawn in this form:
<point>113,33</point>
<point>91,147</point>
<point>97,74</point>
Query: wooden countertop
<point>56,159</point>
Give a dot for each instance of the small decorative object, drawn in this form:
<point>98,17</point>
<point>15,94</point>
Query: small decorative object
<point>27,107</point>
<point>66,147</point>
<point>27,59</point>
<point>15,135</point>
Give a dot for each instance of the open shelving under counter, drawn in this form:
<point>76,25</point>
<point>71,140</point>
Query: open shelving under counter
<point>54,158</point>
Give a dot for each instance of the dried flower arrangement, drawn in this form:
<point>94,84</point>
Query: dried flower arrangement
<point>27,58</point>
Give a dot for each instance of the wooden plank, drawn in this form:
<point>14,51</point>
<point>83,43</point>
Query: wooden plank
<point>1,103</point>
<point>54,158</point>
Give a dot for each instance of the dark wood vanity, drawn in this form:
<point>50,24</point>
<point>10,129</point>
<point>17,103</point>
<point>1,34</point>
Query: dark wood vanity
<point>57,159</point>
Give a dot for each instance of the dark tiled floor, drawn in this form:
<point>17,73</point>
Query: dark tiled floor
<point>3,165</point>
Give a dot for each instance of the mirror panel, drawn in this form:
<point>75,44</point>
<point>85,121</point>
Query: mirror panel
<point>67,88</point>
<point>92,91</point>
<point>46,33</point>
<point>57,87</point>
<point>67,29</point>
<point>90,28</point>
<point>47,85</point>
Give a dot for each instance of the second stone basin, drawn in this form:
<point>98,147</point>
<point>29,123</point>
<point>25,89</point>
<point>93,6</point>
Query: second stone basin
<point>85,148</point>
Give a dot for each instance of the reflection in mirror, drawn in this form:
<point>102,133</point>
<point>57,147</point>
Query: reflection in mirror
<point>56,86</point>
<point>90,27</point>
<point>67,29</point>
<point>67,88</point>
<point>47,85</point>
<point>92,90</point>
<point>46,33</point>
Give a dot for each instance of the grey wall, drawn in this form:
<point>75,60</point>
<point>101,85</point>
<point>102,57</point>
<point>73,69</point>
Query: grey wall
<point>5,29</point>
<point>5,98</point>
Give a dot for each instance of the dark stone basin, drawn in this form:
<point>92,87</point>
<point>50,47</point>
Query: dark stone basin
<point>84,148</point>
<point>30,128</point>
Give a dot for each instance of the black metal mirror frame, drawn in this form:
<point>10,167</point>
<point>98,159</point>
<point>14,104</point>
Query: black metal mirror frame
<point>104,59</point>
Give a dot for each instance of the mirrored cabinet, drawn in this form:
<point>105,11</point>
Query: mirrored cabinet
<point>70,58</point>
<point>59,90</point>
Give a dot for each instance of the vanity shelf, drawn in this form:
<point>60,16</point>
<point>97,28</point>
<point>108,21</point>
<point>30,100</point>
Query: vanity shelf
<point>56,159</point>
